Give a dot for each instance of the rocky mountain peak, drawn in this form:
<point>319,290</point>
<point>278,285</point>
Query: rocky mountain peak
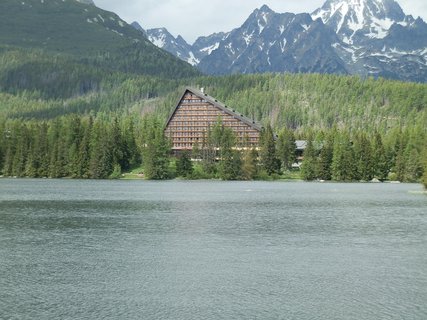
<point>263,10</point>
<point>354,20</point>
<point>364,37</point>
<point>137,26</point>
<point>259,19</point>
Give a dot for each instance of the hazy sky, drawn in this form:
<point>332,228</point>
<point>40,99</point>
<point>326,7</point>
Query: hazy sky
<point>191,18</point>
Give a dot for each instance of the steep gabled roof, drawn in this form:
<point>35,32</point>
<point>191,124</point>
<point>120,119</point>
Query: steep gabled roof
<point>217,104</point>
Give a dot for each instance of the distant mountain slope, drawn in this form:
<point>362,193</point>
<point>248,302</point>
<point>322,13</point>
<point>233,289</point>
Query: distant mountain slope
<point>271,42</point>
<point>163,39</point>
<point>86,33</point>
<point>192,54</point>
<point>363,37</point>
<point>68,26</point>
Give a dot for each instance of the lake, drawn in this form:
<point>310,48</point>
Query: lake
<point>72,249</point>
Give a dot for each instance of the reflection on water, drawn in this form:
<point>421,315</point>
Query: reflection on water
<point>211,250</point>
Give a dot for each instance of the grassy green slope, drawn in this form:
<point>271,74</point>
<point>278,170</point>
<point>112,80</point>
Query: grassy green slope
<point>61,26</point>
<point>85,33</point>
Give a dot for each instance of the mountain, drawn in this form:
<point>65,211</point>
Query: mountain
<point>178,46</point>
<point>363,37</point>
<point>271,42</point>
<point>84,33</point>
<point>205,45</point>
<point>192,54</point>
<point>138,27</point>
<point>377,38</point>
<point>358,21</point>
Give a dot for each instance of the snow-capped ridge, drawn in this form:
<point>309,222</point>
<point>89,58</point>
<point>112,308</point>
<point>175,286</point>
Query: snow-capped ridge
<point>364,37</point>
<point>354,20</point>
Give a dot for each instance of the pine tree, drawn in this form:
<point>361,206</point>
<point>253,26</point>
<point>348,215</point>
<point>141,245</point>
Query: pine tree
<point>58,152</point>
<point>286,148</point>
<point>231,165</point>
<point>31,165</point>
<point>156,154</point>
<point>84,153</point>
<point>379,159</point>
<point>8,161</point>
<point>120,149</point>
<point>132,147</point>
<point>184,166</point>
<point>74,141</point>
<point>400,161</point>
<point>343,164</point>
<point>230,159</point>
<point>209,153</point>
<point>101,160</point>
<point>325,158</point>
<point>413,167</point>
<point>363,154</point>
<point>250,164</point>
<point>21,152</point>
<point>10,142</point>
<point>43,151</point>
<point>269,161</point>
<point>309,164</point>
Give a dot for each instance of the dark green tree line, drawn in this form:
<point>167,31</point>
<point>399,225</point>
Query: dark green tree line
<point>73,146</point>
<point>346,156</point>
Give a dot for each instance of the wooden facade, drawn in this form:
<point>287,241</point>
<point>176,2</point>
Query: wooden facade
<point>196,113</point>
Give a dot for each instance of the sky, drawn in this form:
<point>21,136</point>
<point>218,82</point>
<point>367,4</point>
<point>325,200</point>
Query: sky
<point>191,18</point>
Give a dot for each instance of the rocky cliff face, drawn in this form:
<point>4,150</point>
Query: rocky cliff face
<point>377,38</point>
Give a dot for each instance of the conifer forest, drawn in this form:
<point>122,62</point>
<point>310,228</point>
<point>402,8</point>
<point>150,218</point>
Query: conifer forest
<point>65,117</point>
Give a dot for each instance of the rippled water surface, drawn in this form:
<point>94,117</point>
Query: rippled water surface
<point>212,250</point>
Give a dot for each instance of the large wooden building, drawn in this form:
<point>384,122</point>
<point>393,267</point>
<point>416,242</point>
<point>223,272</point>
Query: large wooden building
<point>197,112</point>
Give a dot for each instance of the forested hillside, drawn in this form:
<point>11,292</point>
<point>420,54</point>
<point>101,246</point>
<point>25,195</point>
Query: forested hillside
<point>98,129</point>
<point>85,95</point>
<point>44,88</point>
<point>81,34</point>
<point>323,101</point>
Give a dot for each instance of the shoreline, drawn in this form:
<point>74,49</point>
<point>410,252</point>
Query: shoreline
<point>136,178</point>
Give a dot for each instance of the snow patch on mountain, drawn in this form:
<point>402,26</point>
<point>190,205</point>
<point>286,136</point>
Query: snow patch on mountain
<point>192,59</point>
<point>358,8</point>
<point>379,28</point>
<point>211,48</point>
<point>158,41</point>
<point>260,27</point>
<point>248,38</point>
<point>283,45</point>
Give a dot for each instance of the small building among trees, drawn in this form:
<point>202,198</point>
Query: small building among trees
<point>197,113</point>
